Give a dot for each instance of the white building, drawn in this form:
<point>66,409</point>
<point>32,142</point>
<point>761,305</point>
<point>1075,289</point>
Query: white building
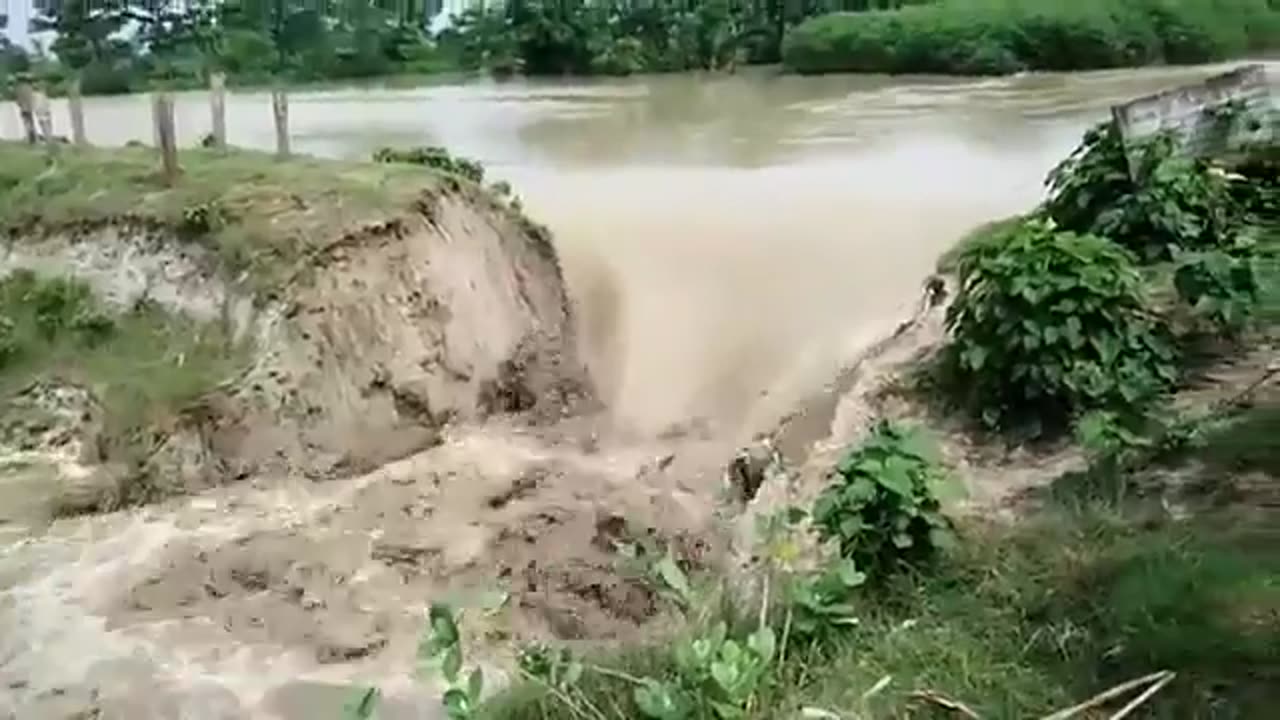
<point>18,19</point>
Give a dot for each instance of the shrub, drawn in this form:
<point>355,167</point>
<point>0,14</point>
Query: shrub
<point>60,307</point>
<point>1221,287</point>
<point>201,218</point>
<point>1048,324</point>
<point>105,78</point>
<point>441,647</point>
<point>985,37</point>
<point>715,671</point>
<point>883,502</point>
<point>1169,202</point>
<point>433,157</point>
<point>1085,186</point>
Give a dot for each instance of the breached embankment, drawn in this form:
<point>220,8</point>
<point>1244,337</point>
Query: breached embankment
<point>360,315</point>
<point>401,416</point>
<point>367,308</point>
<point>395,415</point>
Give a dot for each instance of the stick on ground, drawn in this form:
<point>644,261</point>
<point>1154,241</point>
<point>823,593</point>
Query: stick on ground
<point>1110,694</point>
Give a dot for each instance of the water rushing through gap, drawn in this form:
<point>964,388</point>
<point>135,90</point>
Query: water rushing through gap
<point>725,236</point>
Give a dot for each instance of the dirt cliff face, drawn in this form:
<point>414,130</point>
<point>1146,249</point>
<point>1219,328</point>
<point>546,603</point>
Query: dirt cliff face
<point>421,361</point>
<point>451,313</point>
<point>369,343</point>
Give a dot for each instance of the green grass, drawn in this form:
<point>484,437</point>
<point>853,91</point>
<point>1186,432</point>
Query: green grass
<point>1022,621</point>
<point>983,37</point>
<point>143,365</point>
<point>266,222</point>
<point>260,215</point>
<point>1249,442</point>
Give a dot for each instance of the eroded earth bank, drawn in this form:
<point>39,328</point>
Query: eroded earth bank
<point>258,420</point>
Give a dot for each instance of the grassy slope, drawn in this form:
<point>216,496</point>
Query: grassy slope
<point>143,365</point>
<point>1023,621</point>
<point>259,214</point>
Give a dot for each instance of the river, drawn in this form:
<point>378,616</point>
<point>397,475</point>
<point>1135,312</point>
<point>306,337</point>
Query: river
<point>744,229</point>
<point>730,239</point>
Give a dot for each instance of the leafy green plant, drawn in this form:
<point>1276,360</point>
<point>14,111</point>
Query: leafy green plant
<point>1085,185</point>
<point>556,667</point>
<point>778,536</point>
<point>363,705</point>
<point>1112,444</point>
<point>1047,325</point>
<point>59,308</point>
<point>818,604</point>
<point>816,601</point>
<point>715,671</point>
<point>660,568</point>
<point>201,219</point>
<point>441,648</point>
<point>1165,202</point>
<point>1222,287</point>
<point>882,505</point>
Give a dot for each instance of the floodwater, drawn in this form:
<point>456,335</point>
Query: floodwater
<point>730,240</point>
<point>727,235</point>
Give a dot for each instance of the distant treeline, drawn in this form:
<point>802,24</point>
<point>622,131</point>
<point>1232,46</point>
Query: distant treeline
<point>985,37</point>
<point>115,47</point>
<point>119,48</point>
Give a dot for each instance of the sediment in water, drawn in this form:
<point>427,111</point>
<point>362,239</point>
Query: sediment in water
<point>402,336</point>
<point>368,307</point>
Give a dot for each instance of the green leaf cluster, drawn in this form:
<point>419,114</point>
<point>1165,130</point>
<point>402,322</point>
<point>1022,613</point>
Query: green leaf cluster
<point>39,311</point>
<point>1165,202</point>
<point>883,504</point>
<point>434,157</point>
<point>441,647</point>
<point>1222,287</point>
<point>1048,324</point>
<point>555,667</point>
<point>820,603</point>
<point>713,670</point>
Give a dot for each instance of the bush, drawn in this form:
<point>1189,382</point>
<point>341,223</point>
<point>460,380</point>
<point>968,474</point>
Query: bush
<point>985,37</point>
<point>105,78</point>
<point>1170,202</point>
<point>60,307</point>
<point>1222,287</point>
<point>883,502</point>
<point>433,157</point>
<point>1050,324</point>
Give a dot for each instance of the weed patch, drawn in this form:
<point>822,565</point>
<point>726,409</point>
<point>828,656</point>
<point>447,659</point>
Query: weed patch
<point>1248,442</point>
<point>144,365</point>
<point>434,157</point>
<point>1017,623</point>
<point>882,506</point>
<point>1048,324</point>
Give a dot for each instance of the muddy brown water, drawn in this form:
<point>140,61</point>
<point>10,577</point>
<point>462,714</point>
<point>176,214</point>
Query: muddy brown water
<point>730,239</point>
